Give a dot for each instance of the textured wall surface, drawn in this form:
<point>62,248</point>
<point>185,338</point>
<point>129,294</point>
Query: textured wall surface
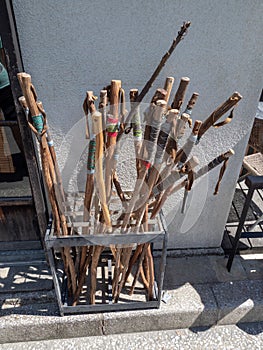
<point>72,46</point>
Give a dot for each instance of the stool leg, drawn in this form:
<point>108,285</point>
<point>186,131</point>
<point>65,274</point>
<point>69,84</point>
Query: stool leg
<point>239,229</point>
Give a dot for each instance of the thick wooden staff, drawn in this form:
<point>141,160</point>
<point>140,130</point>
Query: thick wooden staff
<point>103,110</point>
<point>179,128</point>
<point>100,187</point>
<point>59,188</point>
<point>112,132</point>
<point>219,112</point>
<point>182,32</point>
<point>154,171</point>
<point>155,114</point>
<point>88,107</point>
<point>178,100</point>
<point>231,102</point>
<point>223,158</point>
<point>168,85</point>
<point>136,126</point>
<point>39,129</point>
<point>182,155</point>
<point>191,103</point>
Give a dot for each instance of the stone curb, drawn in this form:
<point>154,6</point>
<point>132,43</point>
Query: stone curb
<point>189,306</point>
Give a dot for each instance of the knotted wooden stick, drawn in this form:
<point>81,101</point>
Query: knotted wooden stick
<point>202,171</point>
<point>100,187</point>
<point>182,32</point>
<point>39,129</point>
<point>219,112</point>
<point>112,132</point>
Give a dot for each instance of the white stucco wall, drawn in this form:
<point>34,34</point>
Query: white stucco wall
<point>72,46</point>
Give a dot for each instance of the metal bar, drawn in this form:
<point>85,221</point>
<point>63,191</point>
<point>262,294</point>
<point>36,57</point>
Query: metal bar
<point>10,201</point>
<point>105,240</point>
<point>110,281</point>
<point>251,234</point>
<point>110,307</point>
<point>55,280</point>
<point>240,226</point>
<point>8,123</point>
<point>163,257</point>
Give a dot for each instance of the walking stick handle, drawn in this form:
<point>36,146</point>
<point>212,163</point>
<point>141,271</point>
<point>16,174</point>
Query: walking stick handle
<point>180,93</point>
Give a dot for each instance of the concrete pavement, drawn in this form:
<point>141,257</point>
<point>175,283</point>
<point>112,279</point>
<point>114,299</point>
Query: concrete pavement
<point>199,291</point>
<point>241,337</point>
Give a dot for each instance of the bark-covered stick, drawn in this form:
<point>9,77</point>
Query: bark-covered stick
<point>219,112</point>
<point>112,132</point>
<point>182,32</point>
<point>48,170</point>
<point>202,171</point>
<point>168,85</point>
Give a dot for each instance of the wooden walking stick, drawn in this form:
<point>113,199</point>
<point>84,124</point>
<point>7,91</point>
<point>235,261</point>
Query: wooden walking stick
<point>219,112</point>
<point>112,132</point>
<point>103,110</point>
<point>178,100</point>
<point>154,171</point>
<point>182,32</point>
<point>168,85</point>
<point>163,191</point>
<point>39,129</point>
<point>181,157</point>
<point>223,158</point>
<point>136,126</point>
<point>150,139</point>
<point>100,187</point>
<point>88,106</point>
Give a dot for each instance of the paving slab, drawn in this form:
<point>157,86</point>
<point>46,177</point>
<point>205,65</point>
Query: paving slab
<point>199,292</point>
<point>239,301</point>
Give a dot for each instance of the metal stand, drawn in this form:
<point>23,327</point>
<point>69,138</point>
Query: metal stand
<point>54,244</point>
<point>253,183</point>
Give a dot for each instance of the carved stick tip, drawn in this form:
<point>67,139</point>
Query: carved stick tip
<point>229,153</point>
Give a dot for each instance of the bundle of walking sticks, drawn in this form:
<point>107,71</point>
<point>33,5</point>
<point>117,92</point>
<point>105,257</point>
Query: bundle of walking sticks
<point>162,168</point>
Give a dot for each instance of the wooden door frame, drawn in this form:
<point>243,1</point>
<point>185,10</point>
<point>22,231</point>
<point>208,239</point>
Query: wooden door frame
<point>8,32</point>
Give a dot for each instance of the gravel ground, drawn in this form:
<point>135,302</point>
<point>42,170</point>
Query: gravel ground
<point>242,337</point>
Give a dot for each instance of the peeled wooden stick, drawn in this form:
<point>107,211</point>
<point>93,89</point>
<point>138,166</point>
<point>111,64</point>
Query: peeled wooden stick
<point>100,186</point>
<point>182,32</point>
<point>178,131</point>
<point>178,100</point>
<point>150,139</point>
<point>180,93</point>
<point>219,112</point>
<point>154,171</point>
<point>112,132</point>
<point>136,126</point>
<point>202,171</point>
<point>40,129</point>
<point>88,106</point>
<point>103,110</point>
<point>48,170</point>
<point>168,85</point>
